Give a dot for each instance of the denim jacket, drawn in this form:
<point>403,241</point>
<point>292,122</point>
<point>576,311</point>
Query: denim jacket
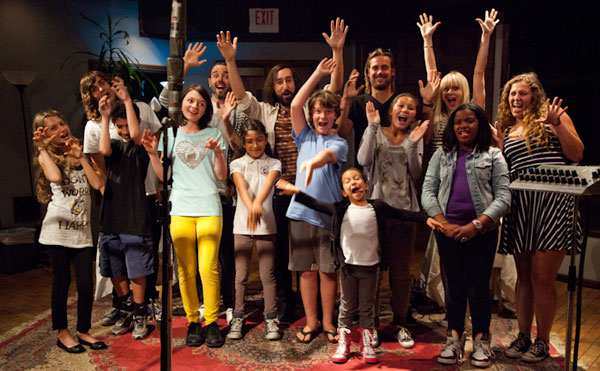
<point>487,175</point>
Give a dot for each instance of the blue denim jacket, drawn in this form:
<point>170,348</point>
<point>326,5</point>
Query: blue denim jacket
<point>487,175</point>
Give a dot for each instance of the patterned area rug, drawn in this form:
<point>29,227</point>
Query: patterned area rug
<point>34,348</point>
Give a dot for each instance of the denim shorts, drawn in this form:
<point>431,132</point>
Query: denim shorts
<point>125,255</point>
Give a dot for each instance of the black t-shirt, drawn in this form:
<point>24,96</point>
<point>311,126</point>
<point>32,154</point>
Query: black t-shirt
<point>124,207</point>
<point>358,114</point>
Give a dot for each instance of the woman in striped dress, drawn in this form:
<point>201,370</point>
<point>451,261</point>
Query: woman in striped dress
<point>534,131</point>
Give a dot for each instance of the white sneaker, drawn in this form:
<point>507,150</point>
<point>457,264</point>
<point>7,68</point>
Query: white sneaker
<point>272,330</point>
<point>451,352</point>
<point>342,352</point>
<point>375,337</point>
<point>368,353</point>
<point>482,354</point>
<point>229,315</point>
<point>405,338</point>
<point>235,329</point>
<point>201,311</point>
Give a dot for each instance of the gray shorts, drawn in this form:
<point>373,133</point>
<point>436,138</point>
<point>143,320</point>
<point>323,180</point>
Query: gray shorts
<point>125,255</point>
<point>310,248</point>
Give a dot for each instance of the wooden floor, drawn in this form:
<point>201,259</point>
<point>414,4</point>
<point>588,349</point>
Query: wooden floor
<point>24,296</point>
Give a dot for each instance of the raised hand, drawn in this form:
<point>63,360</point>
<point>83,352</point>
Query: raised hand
<point>226,46</point>
<point>74,148</point>
<point>418,132</point>
<point>41,139</point>
<point>553,112</point>
<point>429,91</point>
<point>228,106</point>
<point>350,89</point>
<point>426,26</point>
<point>490,22</point>
<point>326,66</point>
<point>118,86</point>
<point>193,53</point>
<point>105,106</point>
<point>149,141</point>
<point>286,187</point>
<point>338,34</point>
<point>372,113</point>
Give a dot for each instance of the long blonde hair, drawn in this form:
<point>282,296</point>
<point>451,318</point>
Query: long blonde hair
<point>440,110</point>
<point>44,193</point>
<point>535,110</point>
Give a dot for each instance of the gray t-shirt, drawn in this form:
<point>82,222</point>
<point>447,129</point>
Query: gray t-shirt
<point>391,170</point>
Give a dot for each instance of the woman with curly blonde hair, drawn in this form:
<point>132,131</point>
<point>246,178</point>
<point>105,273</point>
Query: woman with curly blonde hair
<point>533,131</point>
<point>63,176</point>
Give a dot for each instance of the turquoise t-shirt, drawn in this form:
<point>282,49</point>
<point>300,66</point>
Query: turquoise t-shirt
<point>325,182</point>
<point>194,192</point>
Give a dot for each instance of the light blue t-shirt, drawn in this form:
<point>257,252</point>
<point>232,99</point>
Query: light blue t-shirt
<point>325,183</point>
<point>194,191</point>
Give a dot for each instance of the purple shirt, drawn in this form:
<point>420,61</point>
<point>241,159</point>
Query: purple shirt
<point>460,209</point>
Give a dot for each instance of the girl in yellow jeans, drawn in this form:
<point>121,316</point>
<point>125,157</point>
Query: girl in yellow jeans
<point>196,215</point>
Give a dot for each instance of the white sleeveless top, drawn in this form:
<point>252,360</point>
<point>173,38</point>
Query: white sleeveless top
<point>67,221</point>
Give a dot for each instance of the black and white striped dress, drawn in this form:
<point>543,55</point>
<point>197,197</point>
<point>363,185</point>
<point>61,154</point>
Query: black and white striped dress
<point>537,220</point>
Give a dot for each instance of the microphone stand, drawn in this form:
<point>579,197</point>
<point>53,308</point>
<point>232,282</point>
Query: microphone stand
<point>175,86</point>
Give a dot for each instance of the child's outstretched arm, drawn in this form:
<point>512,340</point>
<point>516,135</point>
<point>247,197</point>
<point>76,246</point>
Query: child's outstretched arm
<point>428,94</point>
<point>290,189</point>
<point>325,67</point>
<point>427,29</point>
<point>326,156</point>
<point>242,190</point>
<point>366,150</point>
<point>150,143</point>
<point>76,151</point>
<point>336,43</point>
<point>487,28</point>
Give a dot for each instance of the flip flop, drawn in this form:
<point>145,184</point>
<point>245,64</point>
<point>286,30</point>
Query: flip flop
<point>333,334</point>
<point>313,334</point>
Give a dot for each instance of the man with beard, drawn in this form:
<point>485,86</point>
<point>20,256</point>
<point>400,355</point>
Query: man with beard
<point>218,82</point>
<point>279,89</point>
<point>380,78</point>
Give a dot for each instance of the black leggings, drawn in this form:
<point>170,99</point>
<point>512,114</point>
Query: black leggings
<point>83,262</point>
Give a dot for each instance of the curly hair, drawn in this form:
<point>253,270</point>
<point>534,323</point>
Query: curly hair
<point>378,53</point>
<point>452,78</point>
<point>532,130</point>
<point>85,89</point>
<point>43,190</point>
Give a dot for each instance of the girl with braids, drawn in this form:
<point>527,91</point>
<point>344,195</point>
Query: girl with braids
<point>533,131</point>
<point>63,176</point>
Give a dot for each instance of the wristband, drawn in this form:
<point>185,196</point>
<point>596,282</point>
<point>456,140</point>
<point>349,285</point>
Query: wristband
<point>444,222</point>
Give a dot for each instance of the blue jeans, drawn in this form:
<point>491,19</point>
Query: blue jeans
<point>468,268</point>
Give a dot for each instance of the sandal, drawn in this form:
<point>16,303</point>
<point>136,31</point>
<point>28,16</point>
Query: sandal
<point>312,334</point>
<point>331,336</point>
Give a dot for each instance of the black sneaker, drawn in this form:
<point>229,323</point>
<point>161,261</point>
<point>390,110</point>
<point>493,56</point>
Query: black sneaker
<point>538,351</point>
<point>111,317</point>
<point>195,335</point>
<point>518,346</point>
<point>214,339</point>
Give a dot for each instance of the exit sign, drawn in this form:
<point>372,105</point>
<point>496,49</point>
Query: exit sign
<point>264,20</point>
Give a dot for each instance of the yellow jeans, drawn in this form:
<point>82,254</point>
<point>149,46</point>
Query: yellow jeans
<point>198,238</point>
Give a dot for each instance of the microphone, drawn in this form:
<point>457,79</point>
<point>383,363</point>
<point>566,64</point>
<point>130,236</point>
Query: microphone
<point>175,61</point>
